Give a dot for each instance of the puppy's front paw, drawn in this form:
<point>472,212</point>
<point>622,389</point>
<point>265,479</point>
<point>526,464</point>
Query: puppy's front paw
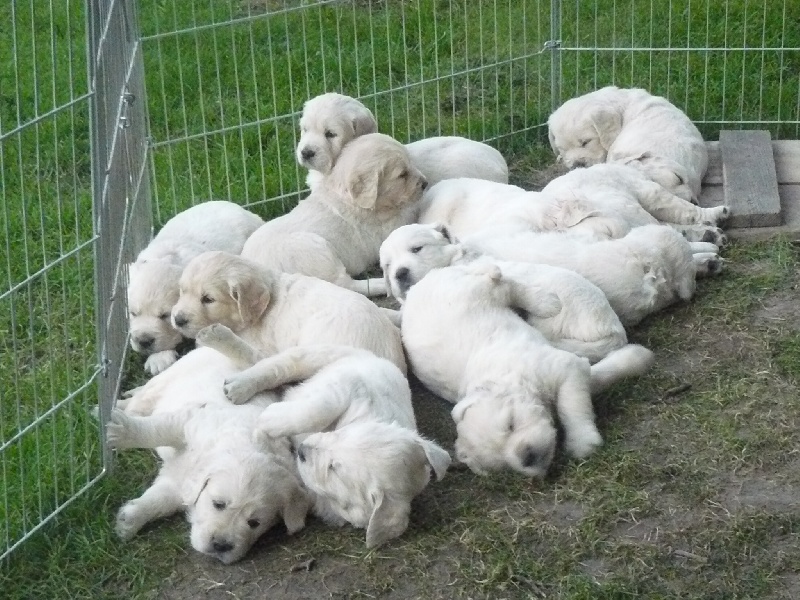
<point>581,444</point>
<point>118,430</point>
<point>159,361</point>
<point>213,334</point>
<point>238,389</point>
<point>129,521</point>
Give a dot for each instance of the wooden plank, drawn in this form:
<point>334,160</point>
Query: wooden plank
<point>785,152</point>
<point>749,179</point>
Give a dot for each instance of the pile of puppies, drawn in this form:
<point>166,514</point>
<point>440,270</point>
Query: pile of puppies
<point>514,305</point>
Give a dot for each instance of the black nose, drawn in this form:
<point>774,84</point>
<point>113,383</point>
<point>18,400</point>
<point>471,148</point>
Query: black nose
<point>402,274</point>
<point>578,164</point>
<point>307,154</point>
<point>424,183</point>
<point>221,547</point>
<point>180,320</point>
<point>145,341</point>
<point>301,454</point>
<point>529,457</point>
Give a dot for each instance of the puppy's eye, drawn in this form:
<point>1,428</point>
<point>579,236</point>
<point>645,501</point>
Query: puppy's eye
<point>404,174</point>
<point>218,504</point>
<point>164,316</point>
<point>253,523</point>
<point>206,299</point>
<point>330,134</point>
<point>133,313</point>
<point>584,143</point>
<point>511,427</point>
<point>680,179</point>
<point>415,249</point>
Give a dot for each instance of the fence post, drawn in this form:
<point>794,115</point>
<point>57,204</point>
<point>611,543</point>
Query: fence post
<point>120,189</point>
<point>555,54</point>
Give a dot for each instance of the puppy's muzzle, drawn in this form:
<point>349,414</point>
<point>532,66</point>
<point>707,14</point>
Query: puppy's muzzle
<point>179,320</point>
<point>403,278</point>
<point>307,154</point>
<point>143,343</point>
<point>221,546</point>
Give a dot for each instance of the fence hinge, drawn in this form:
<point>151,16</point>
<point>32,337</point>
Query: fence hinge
<point>127,102</point>
<point>551,45</point>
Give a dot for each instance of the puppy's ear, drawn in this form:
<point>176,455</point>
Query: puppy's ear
<point>442,228</point>
<point>252,297</point>
<point>389,519</point>
<point>362,186</point>
<point>460,408</point>
<point>438,458</point>
<point>296,504</point>
<point>364,122</point>
<point>607,121</point>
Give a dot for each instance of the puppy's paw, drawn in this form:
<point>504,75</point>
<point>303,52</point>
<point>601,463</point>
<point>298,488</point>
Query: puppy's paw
<point>118,430</point>
<point>129,521</point>
<point>213,334</point>
<point>708,264</point>
<point>581,444</point>
<point>160,361</point>
<point>238,389</point>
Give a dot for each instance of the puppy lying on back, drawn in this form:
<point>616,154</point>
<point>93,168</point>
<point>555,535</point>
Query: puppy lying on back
<point>612,124</point>
<point>365,460</point>
<point>572,313</point>
<point>153,278</point>
<point>467,345</point>
<point>330,121</point>
<point>274,311</point>
<point>232,488</point>
<point>336,232</point>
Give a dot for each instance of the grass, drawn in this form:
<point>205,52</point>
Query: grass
<point>223,104</point>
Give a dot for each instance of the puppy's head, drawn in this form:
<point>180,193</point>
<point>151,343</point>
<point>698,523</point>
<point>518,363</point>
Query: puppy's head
<point>368,474</point>
<point>411,251</point>
<point>665,172</point>
<point>582,129</point>
<point>328,123</point>
<point>499,430</point>
<point>671,267</point>
<point>152,292</point>
<point>218,287</point>
<point>374,172</point>
<point>235,499</point>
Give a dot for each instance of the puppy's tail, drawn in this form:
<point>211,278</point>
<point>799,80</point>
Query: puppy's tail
<point>628,361</point>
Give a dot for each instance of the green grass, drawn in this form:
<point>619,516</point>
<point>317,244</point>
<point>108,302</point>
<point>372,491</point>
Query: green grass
<point>223,105</point>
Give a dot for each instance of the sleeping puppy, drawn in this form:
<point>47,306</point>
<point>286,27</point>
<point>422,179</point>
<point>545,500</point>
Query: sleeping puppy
<point>231,488</point>
<point>467,345</point>
<point>572,313</point>
<point>641,273</point>
<point>274,311</point>
<point>153,279</point>
<point>367,461</point>
<point>330,121</point>
<point>612,124</point>
<point>336,231</point>
<point>665,172</point>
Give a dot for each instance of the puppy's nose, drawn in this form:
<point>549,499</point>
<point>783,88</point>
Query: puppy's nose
<point>179,320</point>
<point>145,341</point>
<point>424,183</point>
<point>307,153</point>
<point>301,453</point>
<point>529,457</point>
<point>578,164</point>
<point>402,274</point>
<point>221,546</point>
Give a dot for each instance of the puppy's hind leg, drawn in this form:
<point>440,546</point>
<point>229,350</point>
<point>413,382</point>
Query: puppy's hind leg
<point>126,431</point>
<point>161,499</point>
<point>223,340</point>
<point>574,406</point>
<point>628,361</point>
<point>707,264</point>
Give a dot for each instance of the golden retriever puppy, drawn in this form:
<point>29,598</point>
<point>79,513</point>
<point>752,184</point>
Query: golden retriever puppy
<point>614,123</point>
<point>665,172</point>
<point>365,461</point>
<point>336,231</point>
<point>641,273</point>
<point>274,311</point>
<point>467,345</point>
<point>330,121</point>
<point>572,313</point>
<point>232,486</point>
<point>153,279</point>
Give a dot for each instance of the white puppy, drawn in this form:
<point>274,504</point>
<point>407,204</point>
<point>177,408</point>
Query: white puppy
<point>613,123</point>
<point>330,121</point>
<point>274,311</point>
<point>367,462</point>
<point>336,231</point>
<point>232,489</point>
<point>153,278</point>
<point>466,344</point>
<point>572,313</point>
<point>641,273</point>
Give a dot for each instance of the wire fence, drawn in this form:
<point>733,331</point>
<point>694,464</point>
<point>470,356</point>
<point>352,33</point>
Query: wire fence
<point>118,114</point>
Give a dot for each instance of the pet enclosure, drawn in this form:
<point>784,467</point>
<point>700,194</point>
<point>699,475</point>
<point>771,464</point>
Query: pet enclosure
<point>116,114</point>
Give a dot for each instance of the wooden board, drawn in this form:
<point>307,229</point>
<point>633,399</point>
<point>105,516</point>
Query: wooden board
<point>750,183</point>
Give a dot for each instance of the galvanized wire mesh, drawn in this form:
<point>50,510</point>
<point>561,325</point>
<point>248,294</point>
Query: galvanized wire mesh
<point>82,145</point>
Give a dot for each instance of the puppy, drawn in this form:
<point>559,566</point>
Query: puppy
<point>153,279</point>
<point>367,462</point>
<point>274,311</point>
<point>641,273</point>
<point>572,313</point>
<point>613,123</point>
<point>336,232</point>
<point>232,488</point>
<point>467,345</point>
<point>330,121</point>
